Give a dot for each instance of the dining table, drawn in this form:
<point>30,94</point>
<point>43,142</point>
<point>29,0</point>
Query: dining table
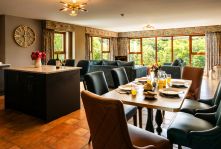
<point>161,102</point>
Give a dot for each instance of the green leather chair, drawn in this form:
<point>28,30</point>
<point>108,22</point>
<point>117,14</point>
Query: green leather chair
<point>202,105</point>
<point>202,131</point>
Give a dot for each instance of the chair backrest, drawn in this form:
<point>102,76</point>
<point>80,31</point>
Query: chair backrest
<point>195,74</point>
<point>84,64</point>
<point>96,82</point>
<point>51,62</point>
<point>218,116</point>
<point>106,121</point>
<point>217,95</point>
<point>119,76</point>
<point>70,62</point>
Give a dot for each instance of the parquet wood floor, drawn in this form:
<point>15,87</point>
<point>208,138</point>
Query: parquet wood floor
<point>21,131</point>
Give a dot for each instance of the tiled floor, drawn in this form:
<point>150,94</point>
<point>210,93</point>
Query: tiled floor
<point>20,131</point>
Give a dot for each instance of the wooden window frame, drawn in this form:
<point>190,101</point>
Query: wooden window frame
<point>102,52</point>
<point>191,53</point>
<point>64,45</point>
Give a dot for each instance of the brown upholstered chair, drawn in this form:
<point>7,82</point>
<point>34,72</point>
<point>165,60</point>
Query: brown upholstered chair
<point>109,130</point>
<point>195,74</point>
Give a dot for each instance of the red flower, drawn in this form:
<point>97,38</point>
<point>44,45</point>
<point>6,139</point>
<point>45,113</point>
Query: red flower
<point>38,54</point>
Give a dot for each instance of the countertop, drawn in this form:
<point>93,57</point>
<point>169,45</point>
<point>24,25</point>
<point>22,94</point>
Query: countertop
<point>4,65</point>
<point>45,69</point>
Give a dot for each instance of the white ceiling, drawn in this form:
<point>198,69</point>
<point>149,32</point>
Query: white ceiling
<point>105,14</point>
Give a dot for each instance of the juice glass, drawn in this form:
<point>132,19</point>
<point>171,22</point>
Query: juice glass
<point>168,78</point>
<point>160,83</point>
<point>133,90</point>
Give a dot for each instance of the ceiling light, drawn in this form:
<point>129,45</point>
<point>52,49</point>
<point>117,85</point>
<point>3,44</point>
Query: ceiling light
<point>73,7</point>
<point>148,27</point>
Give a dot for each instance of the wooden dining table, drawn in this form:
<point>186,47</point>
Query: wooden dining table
<point>160,103</point>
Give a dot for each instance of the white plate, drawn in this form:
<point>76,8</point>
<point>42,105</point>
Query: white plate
<point>143,79</point>
<point>170,91</point>
<point>178,83</point>
<point>126,87</point>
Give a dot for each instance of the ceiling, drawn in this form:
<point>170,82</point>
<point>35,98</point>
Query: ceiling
<point>105,14</point>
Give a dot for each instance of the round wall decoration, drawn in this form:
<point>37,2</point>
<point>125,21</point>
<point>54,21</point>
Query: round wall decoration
<point>24,36</point>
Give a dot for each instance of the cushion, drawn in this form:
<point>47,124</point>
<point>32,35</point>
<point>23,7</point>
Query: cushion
<point>129,111</point>
<point>176,62</point>
<point>113,63</point>
<point>182,125</point>
<point>141,138</point>
<point>189,106</point>
<point>95,62</point>
<point>122,63</point>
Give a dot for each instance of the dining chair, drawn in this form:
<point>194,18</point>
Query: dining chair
<point>202,105</point>
<point>119,76</point>
<point>51,62</point>
<point>199,131</point>
<point>70,62</point>
<point>84,64</point>
<point>195,74</point>
<point>96,83</point>
<point>109,129</point>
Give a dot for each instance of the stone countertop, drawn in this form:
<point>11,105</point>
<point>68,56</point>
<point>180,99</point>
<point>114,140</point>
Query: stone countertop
<point>45,69</point>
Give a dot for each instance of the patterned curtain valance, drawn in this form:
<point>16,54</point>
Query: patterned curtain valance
<point>99,32</point>
<point>58,26</point>
<point>172,32</point>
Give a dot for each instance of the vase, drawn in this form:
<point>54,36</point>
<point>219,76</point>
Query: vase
<point>38,63</point>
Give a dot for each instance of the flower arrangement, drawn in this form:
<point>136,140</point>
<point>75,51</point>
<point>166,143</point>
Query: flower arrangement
<point>155,68</point>
<point>38,55</point>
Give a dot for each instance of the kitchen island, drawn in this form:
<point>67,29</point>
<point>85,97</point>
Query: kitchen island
<point>2,67</point>
<point>47,93</point>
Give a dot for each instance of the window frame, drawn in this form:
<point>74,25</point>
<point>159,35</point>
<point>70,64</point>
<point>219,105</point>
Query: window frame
<point>191,53</point>
<point>64,45</point>
<point>102,51</point>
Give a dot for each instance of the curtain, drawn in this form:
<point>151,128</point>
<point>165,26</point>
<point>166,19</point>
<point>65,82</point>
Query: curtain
<point>48,43</point>
<point>87,46</point>
<point>123,46</point>
<point>113,48</point>
<point>213,44</point>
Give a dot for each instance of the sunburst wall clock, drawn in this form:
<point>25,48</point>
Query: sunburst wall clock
<point>24,36</point>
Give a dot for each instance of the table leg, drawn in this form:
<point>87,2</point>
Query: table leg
<point>149,125</point>
<point>159,120</point>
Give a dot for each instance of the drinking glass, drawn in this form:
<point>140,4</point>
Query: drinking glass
<point>168,78</point>
<point>160,83</point>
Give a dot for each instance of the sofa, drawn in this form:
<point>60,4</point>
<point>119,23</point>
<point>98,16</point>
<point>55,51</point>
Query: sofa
<point>175,68</point>
<point>132,71</point>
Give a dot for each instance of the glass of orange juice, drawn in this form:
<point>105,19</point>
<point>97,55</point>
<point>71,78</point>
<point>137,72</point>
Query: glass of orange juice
<point>160,83</point>
<point>133,90</point>
<point>168,78</point>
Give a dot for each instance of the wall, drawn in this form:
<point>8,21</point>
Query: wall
<point>2,38</point>
<point>14,54</point>
<point>79,43</point>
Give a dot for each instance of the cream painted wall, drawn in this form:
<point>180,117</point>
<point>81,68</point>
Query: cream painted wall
<point>79,43</point>
<point>14,54</point>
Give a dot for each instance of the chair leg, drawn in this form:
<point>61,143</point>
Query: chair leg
<point>135,119</point>
<point>85,87</point>
<point>140,116</point>
<point>89,140</point>
<point>179,146</point>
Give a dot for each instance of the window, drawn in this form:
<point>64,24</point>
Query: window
<point>147,51</point>
<point>198,51</point>
<point>135,53</point>
<point>59,46</point>
<point>181,48</point>
<point>164,50</point>
<point>100,48</point>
